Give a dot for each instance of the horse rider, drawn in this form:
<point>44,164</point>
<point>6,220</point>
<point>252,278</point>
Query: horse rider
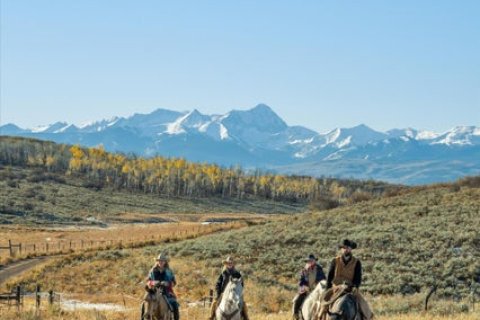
<point>228,272</point>
<point>310,276</point>
<point>347,269</point>
<point>162,273</point>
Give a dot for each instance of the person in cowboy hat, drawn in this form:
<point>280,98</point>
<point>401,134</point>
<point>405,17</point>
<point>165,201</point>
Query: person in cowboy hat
<point>228,272</point>
<point>347,269</point>
<point>310,276</point>
<point>162,273</point>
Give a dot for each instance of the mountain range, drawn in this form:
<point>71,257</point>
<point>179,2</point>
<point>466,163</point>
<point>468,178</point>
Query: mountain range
<point>259,138</point>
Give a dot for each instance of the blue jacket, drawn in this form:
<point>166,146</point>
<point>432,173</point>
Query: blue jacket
<point>166,275</point>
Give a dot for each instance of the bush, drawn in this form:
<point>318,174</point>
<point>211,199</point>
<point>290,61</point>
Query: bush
<point>30,193</point>
<point>28,206</point>
<point>40,176</point>
<point>324,203</point>
<point>13,183</point>
<point>470,182</point>
<point>42,197</point>
<point>359,196</point>
<point>96,185</point>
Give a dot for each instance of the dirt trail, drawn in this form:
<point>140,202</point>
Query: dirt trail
<point>19,267</point>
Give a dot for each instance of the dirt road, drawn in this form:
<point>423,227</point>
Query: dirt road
<point>17,268</point>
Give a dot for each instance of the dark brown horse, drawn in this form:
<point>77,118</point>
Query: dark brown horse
<point>344,308</point>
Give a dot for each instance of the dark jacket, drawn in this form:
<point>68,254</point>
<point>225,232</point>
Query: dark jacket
<point>163,275</point>
<point>303,281</point>
<point>224,278</point>
<point>357,278</point>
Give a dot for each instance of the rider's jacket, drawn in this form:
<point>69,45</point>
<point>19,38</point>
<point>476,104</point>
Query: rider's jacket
<point>166,274</point>
<point>224,278</point>
<point>311,276</point>
<point>342,271</point>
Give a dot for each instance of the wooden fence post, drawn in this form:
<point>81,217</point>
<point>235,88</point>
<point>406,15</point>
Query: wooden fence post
<point>10,247</point>
<point>18,296</point>
<point>50,297</point>
<point>37,296</point>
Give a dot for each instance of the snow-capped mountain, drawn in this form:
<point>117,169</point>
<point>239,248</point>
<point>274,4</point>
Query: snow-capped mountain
<point>459,136</point>
<point>258,137</point>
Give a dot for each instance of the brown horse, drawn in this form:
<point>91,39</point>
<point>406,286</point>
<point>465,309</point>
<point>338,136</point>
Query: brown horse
<point>155,305</point>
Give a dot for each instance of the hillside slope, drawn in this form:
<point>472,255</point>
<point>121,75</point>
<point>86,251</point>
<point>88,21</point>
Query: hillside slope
<point>406,243</point>
<point>34,197</point>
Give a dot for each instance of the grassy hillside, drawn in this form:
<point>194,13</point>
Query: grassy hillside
<point>161,177</point>
<point>32,196</point>
<point>407,243</point>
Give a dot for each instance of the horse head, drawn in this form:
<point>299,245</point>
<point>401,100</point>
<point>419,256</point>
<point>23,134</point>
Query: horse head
<point>155,303</point>
<point>230,305</point>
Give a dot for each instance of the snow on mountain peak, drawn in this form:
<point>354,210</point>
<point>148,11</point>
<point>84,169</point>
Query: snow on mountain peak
<point>358,135</point>
<point>51,128</point>
<point>460,135</point>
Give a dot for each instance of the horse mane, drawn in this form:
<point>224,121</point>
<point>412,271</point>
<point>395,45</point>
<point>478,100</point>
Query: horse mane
<point>231,289</point>
<point>313,300</point>
<point>319,289</point>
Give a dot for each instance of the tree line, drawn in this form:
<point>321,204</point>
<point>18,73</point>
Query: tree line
<point>177,177</point>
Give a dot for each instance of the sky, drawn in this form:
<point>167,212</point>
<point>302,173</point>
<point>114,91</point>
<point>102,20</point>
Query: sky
<point>320,64</point>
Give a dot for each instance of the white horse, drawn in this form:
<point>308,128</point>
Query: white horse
<point>311,305</point>
<point>230,307</point>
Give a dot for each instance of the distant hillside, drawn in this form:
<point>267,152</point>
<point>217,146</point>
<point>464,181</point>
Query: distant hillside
<point>28,166</point>
<point>407,243</point>
<point>259,138</point>
<point>33,197</point>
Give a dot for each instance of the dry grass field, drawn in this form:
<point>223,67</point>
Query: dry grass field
<point>48,241</point>
<point>407,242</point>
<point>117,277</point>
<point>55,313</point>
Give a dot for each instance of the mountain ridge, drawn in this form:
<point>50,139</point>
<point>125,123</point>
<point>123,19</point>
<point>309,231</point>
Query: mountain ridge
<point>259,138</point>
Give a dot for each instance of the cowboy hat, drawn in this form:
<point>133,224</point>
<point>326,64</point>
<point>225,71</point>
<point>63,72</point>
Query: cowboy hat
<point>162,257</point>
<point>348,243</point>
<point>311,257</point>
<point>228,260</point>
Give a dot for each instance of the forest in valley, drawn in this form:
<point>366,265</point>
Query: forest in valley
<point>177,177</point>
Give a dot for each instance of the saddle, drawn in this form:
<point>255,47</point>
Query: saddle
<point>163,292</point>
<point>330,296</point>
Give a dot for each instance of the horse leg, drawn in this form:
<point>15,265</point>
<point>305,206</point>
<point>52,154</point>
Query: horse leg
<point>142,311</point>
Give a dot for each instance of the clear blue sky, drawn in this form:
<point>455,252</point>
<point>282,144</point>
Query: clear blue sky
<point>321,64</point>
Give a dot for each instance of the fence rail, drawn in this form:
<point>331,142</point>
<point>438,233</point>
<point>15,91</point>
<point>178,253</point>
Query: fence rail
<point>15,297</point>
<point>46,247</point>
